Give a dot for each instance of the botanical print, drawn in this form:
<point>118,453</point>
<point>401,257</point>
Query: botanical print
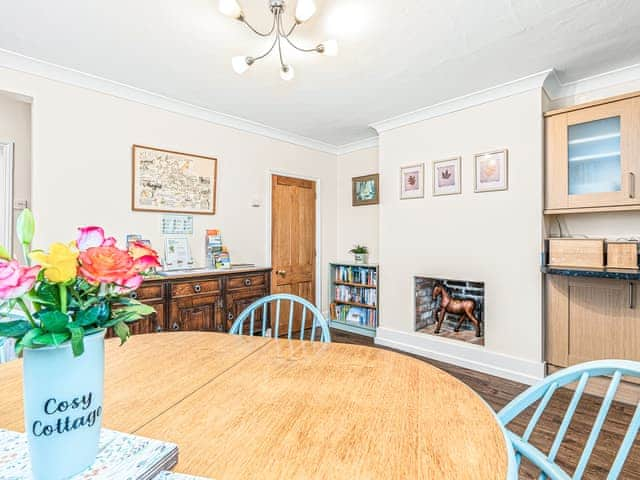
<point>491,171</point>
<point>412,181</point>
<point>450,309</point>
<point>365,190</point>
<point>446,177</point>
<point>166,181</point>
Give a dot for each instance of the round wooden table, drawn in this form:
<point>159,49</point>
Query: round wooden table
<point>249,407</point>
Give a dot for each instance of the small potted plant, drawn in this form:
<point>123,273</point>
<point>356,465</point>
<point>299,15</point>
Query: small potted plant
<point>360,254</point>
<point>68,296</point>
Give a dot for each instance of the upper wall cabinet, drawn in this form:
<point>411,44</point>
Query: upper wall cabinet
<point>593,157</point>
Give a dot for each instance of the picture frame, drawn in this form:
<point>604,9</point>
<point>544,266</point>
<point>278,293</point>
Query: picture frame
<point>447,176</point>
<point>491,171</point>
<point>173,182</point>
<point>177,253</point>
<point>365,190</point>
<point>412,181</point>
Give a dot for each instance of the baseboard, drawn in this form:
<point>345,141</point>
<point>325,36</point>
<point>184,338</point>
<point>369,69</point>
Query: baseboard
<point>463,355</point>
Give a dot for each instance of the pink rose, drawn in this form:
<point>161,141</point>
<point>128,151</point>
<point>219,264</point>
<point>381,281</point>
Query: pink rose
<point>16,280</point>
<point>93,237</point>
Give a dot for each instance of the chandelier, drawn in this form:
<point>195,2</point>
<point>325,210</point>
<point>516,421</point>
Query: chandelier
<point>304,11</point>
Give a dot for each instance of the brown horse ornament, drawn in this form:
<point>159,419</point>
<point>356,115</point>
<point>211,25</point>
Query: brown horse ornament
<point>464,308</point>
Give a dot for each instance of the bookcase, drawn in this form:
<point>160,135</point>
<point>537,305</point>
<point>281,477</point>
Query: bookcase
<point>353,297</point>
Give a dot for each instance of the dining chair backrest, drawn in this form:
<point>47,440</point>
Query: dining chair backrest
<point>616,369</point>
<point>268,311</point>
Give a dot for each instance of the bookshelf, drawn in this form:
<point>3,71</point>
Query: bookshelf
<point>353,297</point>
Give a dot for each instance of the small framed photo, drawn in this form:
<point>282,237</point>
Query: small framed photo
<point>412,181</point>
<point>365,190</point>
<point>491,171</point>
<point>447,177</point>
<point>177,253</point>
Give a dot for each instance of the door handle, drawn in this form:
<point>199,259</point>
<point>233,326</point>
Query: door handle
<point>632,185</point>
<point>281,272</point>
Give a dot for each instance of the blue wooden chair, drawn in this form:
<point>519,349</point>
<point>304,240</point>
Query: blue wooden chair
<point>616,369</point>
<point>277,303</point>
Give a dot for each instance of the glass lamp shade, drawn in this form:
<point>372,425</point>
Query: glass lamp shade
<point>305,10</point>
<point>230,8</point>
<point>240,64</point>
<point>287,73</point>
<point>330,48</point>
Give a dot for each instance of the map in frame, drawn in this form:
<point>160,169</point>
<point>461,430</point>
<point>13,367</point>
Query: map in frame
<point>167,181</point>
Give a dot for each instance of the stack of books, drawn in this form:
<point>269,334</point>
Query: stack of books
<point>356,315</point>
<point>365,296</point>
<point>121,457</point>
<point>360,275</point>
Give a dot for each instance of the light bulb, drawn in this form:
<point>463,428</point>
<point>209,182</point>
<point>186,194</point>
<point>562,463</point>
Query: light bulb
<point>329,48</point>
<point>240,64</point>
<point>230,8</point>
<point>305,10</point>
<point>287,73</point>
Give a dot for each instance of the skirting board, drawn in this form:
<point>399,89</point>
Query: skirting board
<point>472,357</point>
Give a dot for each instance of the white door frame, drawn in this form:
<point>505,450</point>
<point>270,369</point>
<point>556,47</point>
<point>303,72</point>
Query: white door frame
<point>269,194</point>
<point>6,180</point>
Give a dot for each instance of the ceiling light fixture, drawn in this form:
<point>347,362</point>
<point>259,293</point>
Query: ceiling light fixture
<point>304,11</point>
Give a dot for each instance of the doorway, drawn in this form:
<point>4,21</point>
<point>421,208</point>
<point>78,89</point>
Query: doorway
<point>293,240</point>
<point>6,195</point>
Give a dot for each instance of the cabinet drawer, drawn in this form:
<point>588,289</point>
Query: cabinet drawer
<point>246,281</point>
<point>148,292</point>
<point>194,288</point>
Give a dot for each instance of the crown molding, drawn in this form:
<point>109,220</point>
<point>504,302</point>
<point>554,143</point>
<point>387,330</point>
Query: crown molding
<point>15,61</point>
<point>480,97</point>
<point>371,142</point>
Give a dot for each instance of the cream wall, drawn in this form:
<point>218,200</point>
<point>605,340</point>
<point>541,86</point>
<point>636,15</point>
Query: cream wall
<point>82,169</point>
<point>491,237</point>
<point>15,126</point>
<point>356,224</point>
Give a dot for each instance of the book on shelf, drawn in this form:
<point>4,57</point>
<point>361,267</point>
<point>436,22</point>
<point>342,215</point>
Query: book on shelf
<point>121,457</point>
<point>360,275</point>
<point>364,296</point>
<point>350,314</point>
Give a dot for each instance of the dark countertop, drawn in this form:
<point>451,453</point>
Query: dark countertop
<point>613,273</point>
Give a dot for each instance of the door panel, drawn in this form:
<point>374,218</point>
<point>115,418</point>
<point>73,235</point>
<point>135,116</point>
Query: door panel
<point>293,226</point>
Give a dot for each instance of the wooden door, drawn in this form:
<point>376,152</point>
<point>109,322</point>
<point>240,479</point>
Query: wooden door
<point>293,242</point>
<point>196,314</point>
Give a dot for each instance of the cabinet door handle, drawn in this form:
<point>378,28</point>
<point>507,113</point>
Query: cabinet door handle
<point>158,329</point>
<point>133,295</point>
<point>631,295</point>
<point>175,326</point>
<point>247,282</point>
<point>230,316</point>
<point>632,185</point>
<point>281,272</point>
<point>197,288</point>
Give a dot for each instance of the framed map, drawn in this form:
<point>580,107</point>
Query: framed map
<point>166,181</point>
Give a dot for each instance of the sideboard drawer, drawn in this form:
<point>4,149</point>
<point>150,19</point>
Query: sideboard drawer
<point>148,292</point>
<point>246,281</point>
<point>187,289</point>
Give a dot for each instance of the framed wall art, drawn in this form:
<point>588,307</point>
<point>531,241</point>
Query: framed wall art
<point>491,171</point>
<point>412,181</point>
<point>447,177</point>
<point>365,190</point>
<point>167,181</point>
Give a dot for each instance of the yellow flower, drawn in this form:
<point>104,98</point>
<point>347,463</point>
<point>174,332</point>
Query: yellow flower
<point>61,264</point>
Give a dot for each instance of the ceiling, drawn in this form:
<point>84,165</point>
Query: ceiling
<point>395,56</point>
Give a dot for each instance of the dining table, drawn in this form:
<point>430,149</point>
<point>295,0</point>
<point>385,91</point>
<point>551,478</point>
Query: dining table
<point>242,407</point>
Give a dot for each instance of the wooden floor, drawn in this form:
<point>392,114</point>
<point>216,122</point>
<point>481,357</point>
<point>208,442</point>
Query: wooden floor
<point>497,392</point>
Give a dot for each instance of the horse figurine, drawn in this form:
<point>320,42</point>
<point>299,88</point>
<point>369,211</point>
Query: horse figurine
<point>464,308</point>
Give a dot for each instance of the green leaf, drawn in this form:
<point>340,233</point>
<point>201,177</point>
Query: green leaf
<point>14,329</point>
<point>4,253</point>
<point>54,321</point>
<point>77,340</point>
<point>122,331</point>
<point>27,340</point>
<point>140,309</point>
<point>127,317</point>
<point>45,294</point>
<point>25,227</point>
<point>51,339</point>
<point>89,316</point>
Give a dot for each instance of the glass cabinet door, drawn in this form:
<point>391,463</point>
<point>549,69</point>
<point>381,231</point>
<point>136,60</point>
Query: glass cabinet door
<point>594,156</point>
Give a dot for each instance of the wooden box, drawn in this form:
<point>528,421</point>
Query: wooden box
<point>622,254</point>
<point>576,252</point>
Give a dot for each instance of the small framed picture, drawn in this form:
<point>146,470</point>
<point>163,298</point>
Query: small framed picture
<point>447,177</point>
<point>365,190</point>
<point>177,253</point>
<point>412,181</point>
<point>492,171</point>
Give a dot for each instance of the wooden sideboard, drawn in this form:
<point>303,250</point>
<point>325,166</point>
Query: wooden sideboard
<point>208,301</point>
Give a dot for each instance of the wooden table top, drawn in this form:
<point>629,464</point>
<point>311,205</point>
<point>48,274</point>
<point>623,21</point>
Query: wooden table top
<point>249,407</point>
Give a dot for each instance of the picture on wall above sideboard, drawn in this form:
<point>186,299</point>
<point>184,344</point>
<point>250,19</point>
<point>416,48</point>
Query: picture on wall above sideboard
<point>365,190</point>
<point>491,171</point>
<point>167,181</point>
<point>450,309</point>
<point>412,181</point>
<point>446,177</point>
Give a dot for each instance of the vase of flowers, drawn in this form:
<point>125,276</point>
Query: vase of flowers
<point>68,295</point>
<point>360,254</point>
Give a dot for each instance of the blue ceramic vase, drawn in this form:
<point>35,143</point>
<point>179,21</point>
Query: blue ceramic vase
<point>63,407</point>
